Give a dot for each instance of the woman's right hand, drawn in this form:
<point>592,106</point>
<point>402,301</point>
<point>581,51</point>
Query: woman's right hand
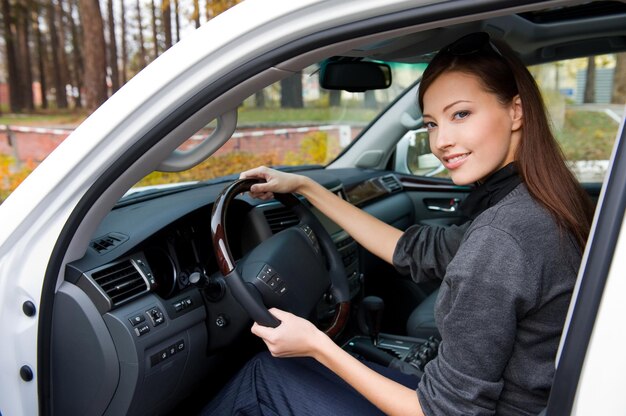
<point>275,181</point>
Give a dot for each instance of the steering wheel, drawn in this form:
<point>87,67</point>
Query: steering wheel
<point>291,270</point>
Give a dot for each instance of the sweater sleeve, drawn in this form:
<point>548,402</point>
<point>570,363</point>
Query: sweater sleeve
<point>487,288</point>
<point>425,251</point>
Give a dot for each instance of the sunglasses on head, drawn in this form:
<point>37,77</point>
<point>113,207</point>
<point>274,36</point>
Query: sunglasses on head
<point>472,43</point>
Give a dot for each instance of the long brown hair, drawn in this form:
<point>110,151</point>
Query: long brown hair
<point>539,158</point>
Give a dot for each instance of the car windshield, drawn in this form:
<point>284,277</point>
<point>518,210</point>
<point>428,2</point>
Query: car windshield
<point>293,122</point>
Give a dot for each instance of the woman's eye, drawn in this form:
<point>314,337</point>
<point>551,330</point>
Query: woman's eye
<point>461,114</point>
<point>429,125</point>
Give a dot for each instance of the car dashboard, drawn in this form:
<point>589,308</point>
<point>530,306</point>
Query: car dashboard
<point>146,315</point>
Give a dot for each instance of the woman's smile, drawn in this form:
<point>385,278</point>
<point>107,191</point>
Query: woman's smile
<point>454,161</point>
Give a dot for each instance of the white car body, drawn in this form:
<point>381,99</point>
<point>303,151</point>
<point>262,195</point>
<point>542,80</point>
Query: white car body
<point>35,217</point>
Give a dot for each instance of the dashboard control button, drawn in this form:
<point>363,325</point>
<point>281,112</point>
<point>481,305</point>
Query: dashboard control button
<point>182,304</point>
<point>172,350</point>
<point>136,320</point>
<point>221,320</point>
<point>156,316</point>
<point>142,330</point>
<point>180,345</point>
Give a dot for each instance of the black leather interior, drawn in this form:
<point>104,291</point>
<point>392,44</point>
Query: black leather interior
<point>421,322</point>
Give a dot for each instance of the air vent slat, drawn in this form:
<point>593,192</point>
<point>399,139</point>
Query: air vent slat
<point>391,183</point>
<point>120,282</point>
<point>279,219</point>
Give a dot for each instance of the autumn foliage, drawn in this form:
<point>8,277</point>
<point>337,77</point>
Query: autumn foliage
<point>12,174</point>
<point>315,148</point>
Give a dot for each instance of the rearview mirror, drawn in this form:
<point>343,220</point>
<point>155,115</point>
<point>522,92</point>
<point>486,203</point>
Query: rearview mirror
<point>354,76</point>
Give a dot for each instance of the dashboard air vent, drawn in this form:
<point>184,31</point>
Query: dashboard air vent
<point>280,218</point>
<point>120,282</point>
<point>391,183</point>
<point>108,242</point>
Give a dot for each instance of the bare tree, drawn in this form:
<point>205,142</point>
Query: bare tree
<point>42,55</point>
<point>25,80</point>
<point>334,98</point>
<point>166,12</point>
<point>115,74</point>
<point>11,57</point>
<point>142,47</point>
<point>196,13</point>
<point>590,81</point>
<point>61,51</point>
<point>259,99</point>
<point>291,91</point>
<point>155,32</point>
<point>619,79</point>
<point>94,53</point>
<point>124,44</point>
<point>55,45</point>
<point>177,20</point>
<point>77,56</point>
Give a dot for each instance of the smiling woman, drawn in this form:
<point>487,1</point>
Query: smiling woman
<point>112,299</point>
<point>507,281</point>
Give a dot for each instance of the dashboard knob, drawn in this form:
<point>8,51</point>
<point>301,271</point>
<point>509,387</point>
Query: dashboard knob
<point>194,278</point>
<point>221,320</point>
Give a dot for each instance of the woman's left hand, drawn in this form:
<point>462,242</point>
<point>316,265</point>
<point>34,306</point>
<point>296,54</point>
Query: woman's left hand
<point>294,337</point>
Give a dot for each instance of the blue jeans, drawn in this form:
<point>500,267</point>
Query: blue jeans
<point>268,386</point>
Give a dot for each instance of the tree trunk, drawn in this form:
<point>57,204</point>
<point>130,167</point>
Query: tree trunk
<point>77,56</point>
<point>154,30</point>
<point>334,98</point>
<point>115,74</point>
<point>94,53</point>
<point>57,71</point>
<point>22,11</point>
<point>590,81</point>
<point>291,91</point>
<point>259,99</point>
<point>142,46</point>
<point>370,99</point>
<point>63,59</point>
<point>42,58</point>
<point>619,79</point>
<point>11,57</point>
<point>166,14</point>
<point>196,13</point>
<point>124,44</point>
<point>177,20</point>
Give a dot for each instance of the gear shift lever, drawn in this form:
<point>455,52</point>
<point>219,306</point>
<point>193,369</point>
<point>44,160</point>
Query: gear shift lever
<point>373,308</point>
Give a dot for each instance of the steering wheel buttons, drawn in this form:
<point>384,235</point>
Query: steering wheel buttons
<point>266,274</point>
<point>281,289</point>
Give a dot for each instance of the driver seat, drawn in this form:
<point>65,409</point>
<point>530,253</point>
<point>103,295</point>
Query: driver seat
<point>421,322</point>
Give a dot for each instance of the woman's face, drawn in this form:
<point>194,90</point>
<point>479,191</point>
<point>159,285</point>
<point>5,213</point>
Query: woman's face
<point>470,131</point>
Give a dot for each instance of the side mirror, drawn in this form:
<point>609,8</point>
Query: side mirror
<point>413,155</point>
<point>354,76</point>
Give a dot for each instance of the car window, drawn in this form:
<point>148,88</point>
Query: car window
<point>293,122</point>
<point>578,94</point>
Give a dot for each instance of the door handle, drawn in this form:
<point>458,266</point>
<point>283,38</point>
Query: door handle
<point>443,205</point>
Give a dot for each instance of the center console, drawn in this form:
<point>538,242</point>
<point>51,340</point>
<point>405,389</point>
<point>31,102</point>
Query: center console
<point>408,354</point>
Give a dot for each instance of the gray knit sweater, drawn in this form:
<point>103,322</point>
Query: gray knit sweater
<point>507,282</point>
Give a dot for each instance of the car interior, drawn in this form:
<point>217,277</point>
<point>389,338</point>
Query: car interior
<point>159,286</point>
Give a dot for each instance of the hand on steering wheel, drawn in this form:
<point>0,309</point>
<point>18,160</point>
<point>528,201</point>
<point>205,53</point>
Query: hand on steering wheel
<point>290,270</point>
